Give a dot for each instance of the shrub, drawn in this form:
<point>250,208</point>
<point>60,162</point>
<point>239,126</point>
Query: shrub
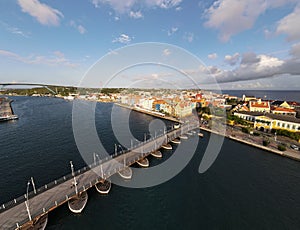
<point>266,142</point>
<point>245,130</point>
<point>256,134</point>
<point>281,147</point>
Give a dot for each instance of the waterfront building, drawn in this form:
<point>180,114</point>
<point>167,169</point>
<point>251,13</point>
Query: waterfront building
<point>159,105</point>
<point>183,108</point>
<point>284,111</point>
<point>246,115</point>
<point>274,121</point>
<point>268,121</point>
<point>259,106</point>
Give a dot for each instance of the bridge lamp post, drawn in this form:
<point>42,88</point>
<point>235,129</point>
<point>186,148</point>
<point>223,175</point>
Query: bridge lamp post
<point>27,202</point>
<point>73,174</point>
<point>33,185</point>
<point>123,154</point>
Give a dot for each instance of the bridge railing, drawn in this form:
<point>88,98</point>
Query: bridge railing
<point>69,176</point>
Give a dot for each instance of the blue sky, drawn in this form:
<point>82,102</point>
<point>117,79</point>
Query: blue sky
<point>249,44</point>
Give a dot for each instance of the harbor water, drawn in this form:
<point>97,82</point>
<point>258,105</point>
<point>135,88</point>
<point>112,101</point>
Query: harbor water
<point>245,188</point>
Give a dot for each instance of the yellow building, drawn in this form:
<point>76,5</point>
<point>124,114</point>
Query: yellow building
<point>274,121</point>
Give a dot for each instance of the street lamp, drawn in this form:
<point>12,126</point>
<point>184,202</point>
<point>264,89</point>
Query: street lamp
<point>33,185</point>
<point>27,202</point>
<point>124,155</point>
<point>73,174</point>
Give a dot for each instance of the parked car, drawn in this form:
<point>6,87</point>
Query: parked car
<point>295,147</point>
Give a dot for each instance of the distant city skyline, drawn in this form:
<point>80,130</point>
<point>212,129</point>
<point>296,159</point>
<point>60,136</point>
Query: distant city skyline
<point>249,44</point>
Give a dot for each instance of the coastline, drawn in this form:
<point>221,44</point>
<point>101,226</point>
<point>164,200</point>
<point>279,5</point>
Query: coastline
<point>234,137</point>
<point>287,153</point>
<point>148,112</point>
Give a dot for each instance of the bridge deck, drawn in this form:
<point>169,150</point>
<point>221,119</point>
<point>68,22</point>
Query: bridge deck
<point>59,194</point>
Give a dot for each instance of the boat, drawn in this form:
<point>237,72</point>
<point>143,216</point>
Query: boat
<point>167,146</point>
<point>176,126</point>
<point>176,141</point>
<point>77,203</point>
<point>184,137</point>
<point>126,173</point>
<point>200,134</point>
<point>193,132</point>
<point>39,223</point>
<point>144,162</point>
<point>103,187</point>
<point>189,133</point>
<point>157,154</point>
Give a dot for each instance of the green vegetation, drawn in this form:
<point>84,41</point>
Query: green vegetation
<point>110,90</point>
<point>266,142</point>
<point>202,110</point>
<point>286,133</point>
<point>245,130</point>
<point>256,134</point>
<point>238,120</point>
<point>231,101</point>
<point>281,147</point>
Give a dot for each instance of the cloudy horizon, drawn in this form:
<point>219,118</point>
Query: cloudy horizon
<point>240,44</point>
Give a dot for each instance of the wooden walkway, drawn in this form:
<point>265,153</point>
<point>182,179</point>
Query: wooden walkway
<point>60,191</point>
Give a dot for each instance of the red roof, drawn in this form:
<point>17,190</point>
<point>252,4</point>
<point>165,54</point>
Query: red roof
<point>280,109</point>
<point>258,104</point>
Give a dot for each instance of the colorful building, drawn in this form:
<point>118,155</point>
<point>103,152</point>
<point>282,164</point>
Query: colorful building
<point>259,106</point>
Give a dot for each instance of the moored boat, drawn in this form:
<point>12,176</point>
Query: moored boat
<point>126,173</point>
<point>189,133</point>
<point>103,187</point>
<point>157,154</point>
<point>176,126</point>
<point>200,134</point>
<point>39,223</point>
<point>143,162</point>
<point>167,146</point>
<point>176,141</point>
<point>78,202</point>
<point>184,137</point>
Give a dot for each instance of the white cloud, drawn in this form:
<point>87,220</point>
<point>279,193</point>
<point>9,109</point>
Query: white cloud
<point>165,4</point>
<point>125,6</point>
<point>166,52</point>
<point>231,17</point>
<point>172,31</point>
<point>123,38</point>
<point>79,28</point>
<point>43,13</point>
<point>189,36</point>
<point>212,56</point>
<point>232,59</point>
<point>252,67</point>
<point>56,59</point>
<point>136,14</point>
<point>289,25</point>
<point>14,30</point>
